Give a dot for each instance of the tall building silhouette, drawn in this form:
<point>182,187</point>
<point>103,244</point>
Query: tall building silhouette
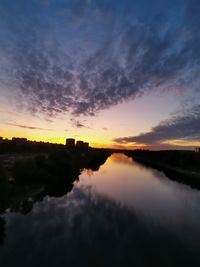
<point>70,142</point>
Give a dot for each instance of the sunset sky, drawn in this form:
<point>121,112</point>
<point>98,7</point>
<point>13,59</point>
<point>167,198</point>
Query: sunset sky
<point>115,73</point>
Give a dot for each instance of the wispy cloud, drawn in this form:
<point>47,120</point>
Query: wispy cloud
<point>79,124</point>
<point>28,127</point>
<point>6,111</point>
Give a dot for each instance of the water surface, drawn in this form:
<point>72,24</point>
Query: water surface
<point>124,214</point>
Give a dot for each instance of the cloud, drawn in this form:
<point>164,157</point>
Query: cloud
<point>89,56</point>
<point>183,127</point>
<point>79,124</point>
<point>9,112</point>
<point>28,127</point>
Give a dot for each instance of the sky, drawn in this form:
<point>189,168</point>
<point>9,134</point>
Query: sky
<point>113,73</point>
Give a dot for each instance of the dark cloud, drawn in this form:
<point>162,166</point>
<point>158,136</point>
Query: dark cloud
<point>83,57</point>
<point>28,127</point>
<point>185,127</point>
<point>79,124</point>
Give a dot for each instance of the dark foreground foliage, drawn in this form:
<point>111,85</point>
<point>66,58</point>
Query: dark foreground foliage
<point>55,172</point>
<point>187,160</point>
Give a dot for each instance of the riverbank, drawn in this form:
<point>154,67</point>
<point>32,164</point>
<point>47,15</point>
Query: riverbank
<point>23,174</point>
<point>182,166</point>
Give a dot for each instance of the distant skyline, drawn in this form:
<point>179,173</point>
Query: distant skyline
<point>121,74</point>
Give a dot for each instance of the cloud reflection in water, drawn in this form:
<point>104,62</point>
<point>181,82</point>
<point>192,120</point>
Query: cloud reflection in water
<point>88,229</point>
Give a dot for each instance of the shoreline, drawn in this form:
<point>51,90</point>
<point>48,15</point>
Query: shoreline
<point>190,178</point>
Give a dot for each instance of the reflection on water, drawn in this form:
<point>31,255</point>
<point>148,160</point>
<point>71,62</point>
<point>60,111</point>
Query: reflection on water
<point>147,190</point>
<point>123,215</point>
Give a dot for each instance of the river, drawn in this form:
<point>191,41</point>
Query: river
<point>124,214</point>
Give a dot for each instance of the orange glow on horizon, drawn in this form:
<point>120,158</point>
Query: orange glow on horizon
<point>103,143</point>
<point>62,140</point>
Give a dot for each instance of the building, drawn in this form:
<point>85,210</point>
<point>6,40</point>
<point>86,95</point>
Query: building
<point>79,144</point>
<point>82,145</point>
<point>197,150</point>
<point>86,144</point>
<point>70,142</point>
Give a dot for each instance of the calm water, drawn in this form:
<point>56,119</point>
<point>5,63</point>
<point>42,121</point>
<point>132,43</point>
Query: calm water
<point>122,215</point>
